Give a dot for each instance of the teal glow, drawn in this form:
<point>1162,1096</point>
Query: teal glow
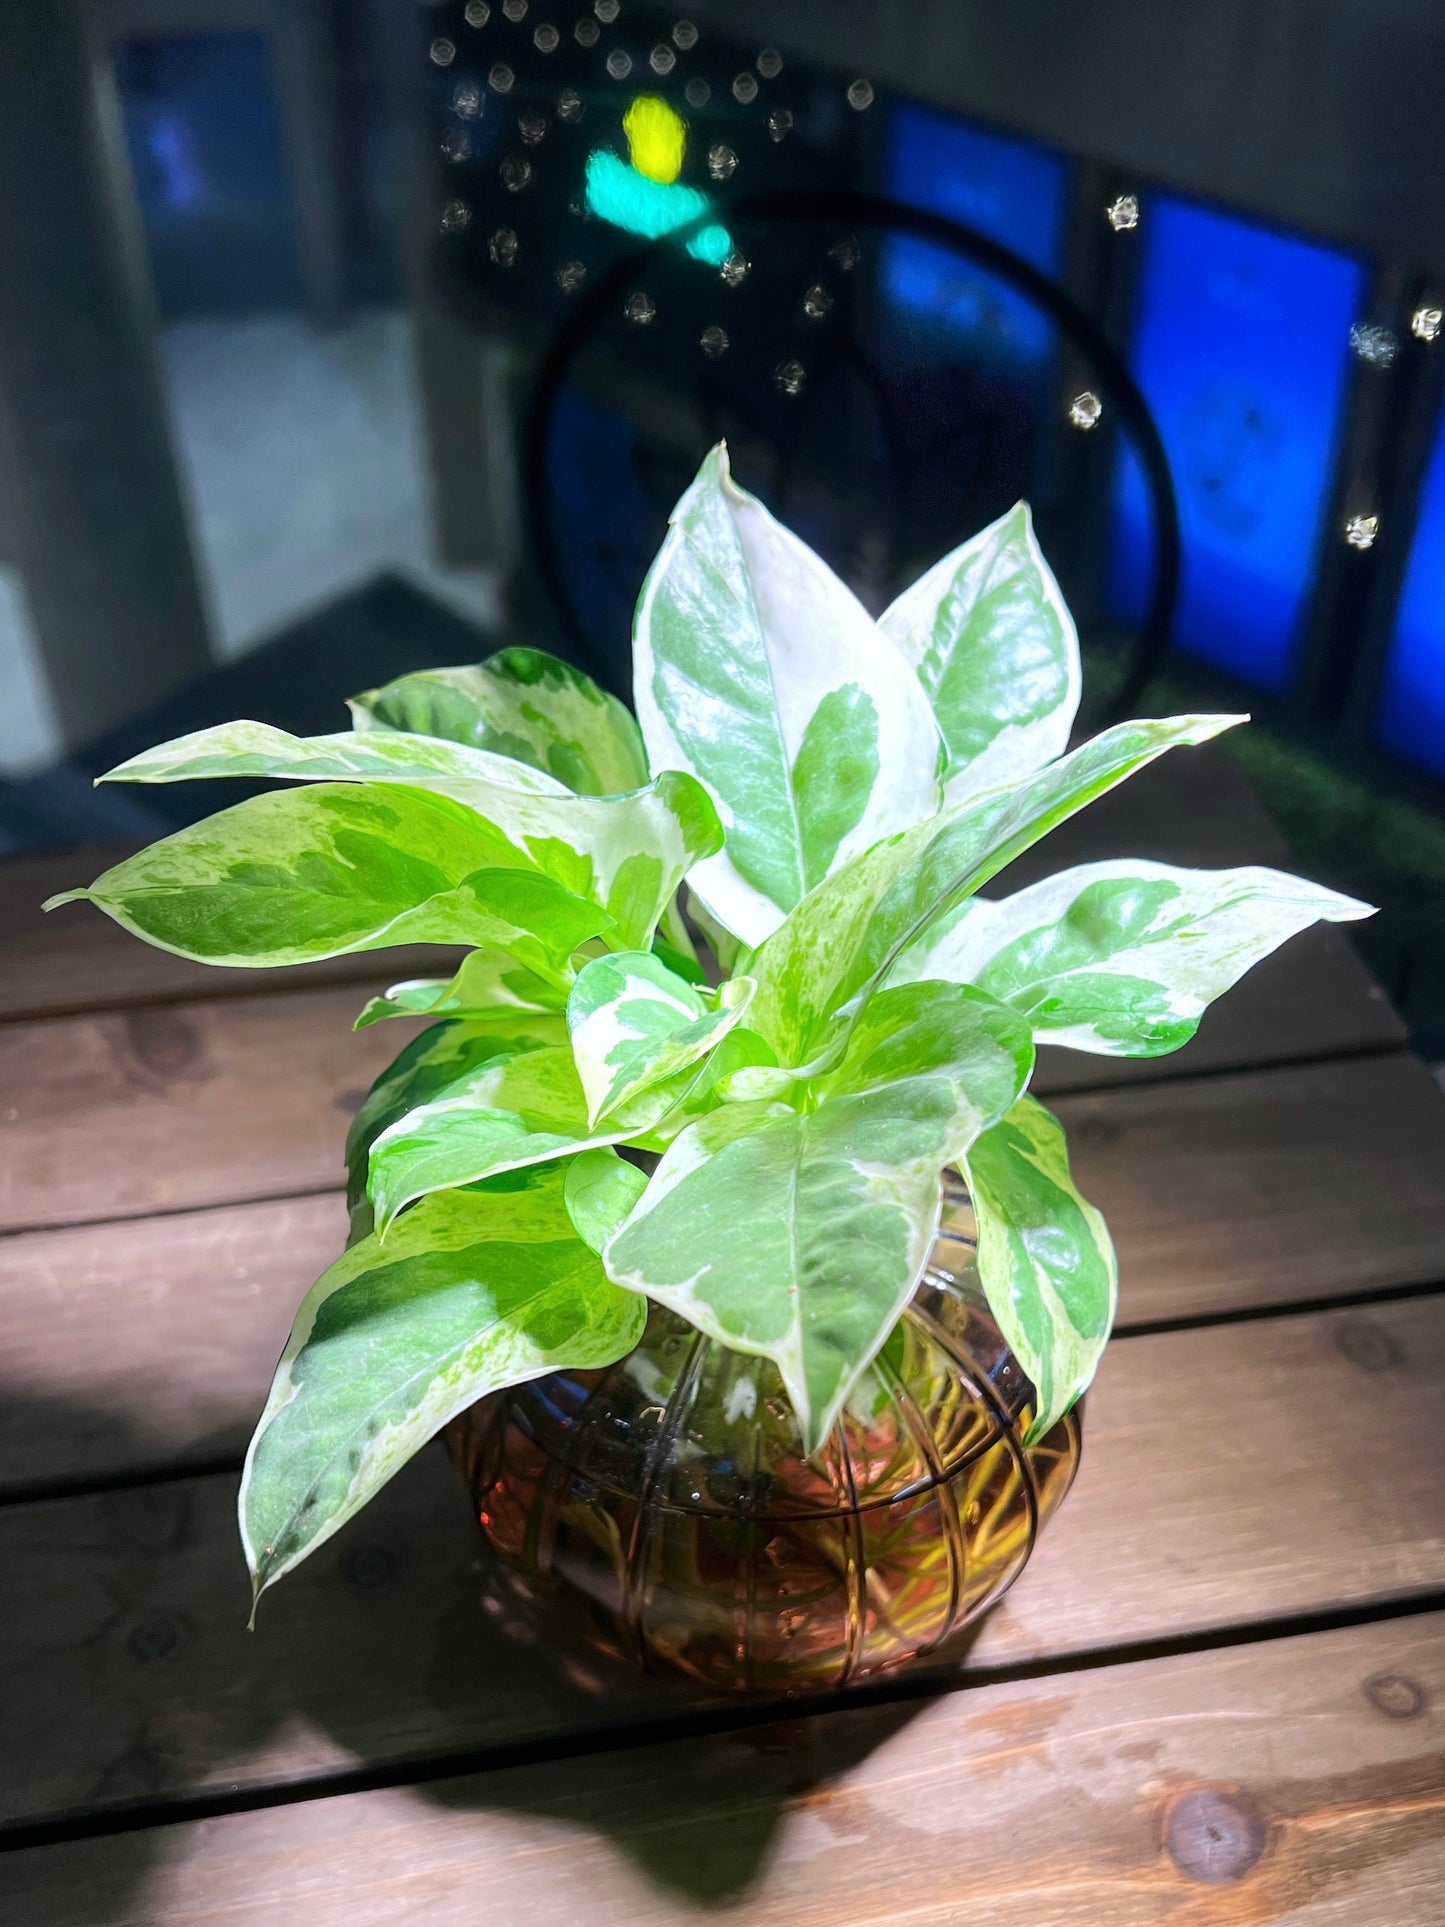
<point>619,194</point>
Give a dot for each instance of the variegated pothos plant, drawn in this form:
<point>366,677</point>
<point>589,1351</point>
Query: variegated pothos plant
<point>828,795</point>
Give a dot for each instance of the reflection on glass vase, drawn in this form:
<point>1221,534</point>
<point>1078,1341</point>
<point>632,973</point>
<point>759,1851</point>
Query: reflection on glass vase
<point>661,1514</point>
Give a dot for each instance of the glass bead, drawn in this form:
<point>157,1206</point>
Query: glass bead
<point>1085,410</point>
<point>860,95</point>
<point>790,377</point>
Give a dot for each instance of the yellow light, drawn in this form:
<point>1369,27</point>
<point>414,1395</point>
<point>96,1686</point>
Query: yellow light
<point>656,136</point>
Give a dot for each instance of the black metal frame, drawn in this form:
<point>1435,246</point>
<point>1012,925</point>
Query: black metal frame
<point>854,209</point>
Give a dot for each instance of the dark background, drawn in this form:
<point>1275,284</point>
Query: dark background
<point>277,283</point>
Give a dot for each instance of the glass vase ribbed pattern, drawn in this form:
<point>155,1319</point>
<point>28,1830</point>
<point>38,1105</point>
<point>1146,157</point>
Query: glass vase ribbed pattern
<point>661,1514</point>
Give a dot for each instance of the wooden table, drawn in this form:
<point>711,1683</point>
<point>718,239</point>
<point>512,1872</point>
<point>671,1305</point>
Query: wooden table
<point>1217,1696</point>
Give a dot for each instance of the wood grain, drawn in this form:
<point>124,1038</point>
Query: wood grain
<point>131,1345</point>
<point>168,1107</point>
<point>76,959</point>
<point>1194,807</point>
<point>1231,1476</point>
<point>1302,1779</point>
<point>175,1106</point>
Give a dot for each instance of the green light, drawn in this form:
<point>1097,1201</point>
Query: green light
<point>619,194</point>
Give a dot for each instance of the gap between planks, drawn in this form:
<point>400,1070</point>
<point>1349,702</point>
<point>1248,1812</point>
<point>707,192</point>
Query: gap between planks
<point>1231,1478</point>
<point>1153,1792</point>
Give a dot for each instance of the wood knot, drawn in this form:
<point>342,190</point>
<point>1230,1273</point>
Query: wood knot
<point>1396,1696</point>
<point>1215,1836</point>
<point>158,1636</point>
<point>163,1043</point>
<point>369,1567</point>
<point>1367,1345</point>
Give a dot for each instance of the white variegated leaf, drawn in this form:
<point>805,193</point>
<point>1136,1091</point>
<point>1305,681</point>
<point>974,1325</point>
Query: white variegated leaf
<point>512,1111</point>
<point>471,1292</point>
<point>757,670</point>
<point>842,940</point>
<point>627,853</point>
<point>634,1022</point>
<point>522,704</point>
<point>1045,1259</point>
<point>488,983</point>
<point>305,874</point>
<point>1122,958</point>
<point>800,1236</point>
<point>997,652</point>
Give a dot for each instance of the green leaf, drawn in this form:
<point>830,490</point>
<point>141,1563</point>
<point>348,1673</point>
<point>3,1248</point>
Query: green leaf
<point>757,670</point>
<point>524,704</point>
<point>801,1236</point>
<point>626,853</point>
<point>634,1022</point>
<point>305,874</point>
<point>1123,958</point>
<point>257,749</point>
<point>996,650</point>
<point>515,1110</point>
<point>472,1292</point>
<point>489,983</point>
<point>842,940</point>
<point>601,1189</point>
<point>1045,1259</point>
<point>430,1064</point>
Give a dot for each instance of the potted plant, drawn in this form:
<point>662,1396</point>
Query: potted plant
<point>750,1282</point>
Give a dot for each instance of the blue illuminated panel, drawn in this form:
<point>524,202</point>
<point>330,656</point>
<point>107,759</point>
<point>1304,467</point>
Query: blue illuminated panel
<point>1240,346</point>
<point>1411,719</point>
<point>1011,191</point>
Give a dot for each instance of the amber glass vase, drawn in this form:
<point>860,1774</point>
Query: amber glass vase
<point>662,1514</point>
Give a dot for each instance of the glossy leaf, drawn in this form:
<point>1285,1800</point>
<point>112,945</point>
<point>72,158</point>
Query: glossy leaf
<point>757,670</point>
<point>440,1057</point>
<point>627,853</point>
<point>515,1110</point>
<point>519,703</point>
<point>303,874</point>
<point>634,1022</point>
<point>842,940</point>
<point>243,749</point>
<point>997,652</point>
<point>470,1293</point>
<point>1123,958</point>
<point>1045,1259</point>
<point>601,1189</point>
<point>488,983</point>
<point>801,1236</point>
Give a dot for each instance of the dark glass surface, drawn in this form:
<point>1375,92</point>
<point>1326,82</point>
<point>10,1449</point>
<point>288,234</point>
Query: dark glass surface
<point>662,1513</point>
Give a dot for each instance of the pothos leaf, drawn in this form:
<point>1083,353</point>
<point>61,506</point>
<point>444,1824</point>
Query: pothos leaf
<point>626,853</point>
<point>634,1022</point>
<point>513,1110</point>
<point>840,1204</point>
<point>842,940</point>
<point>429,1065</point>
<point>601,1189</point>
<point>471,1292</point>
<point>519,703</point>
<point>996,650</point>
<point>1045,1259</point>
<point>488,983</point>
<point>306,874</point>
<point>812,752</point>
<point>1123,958</point>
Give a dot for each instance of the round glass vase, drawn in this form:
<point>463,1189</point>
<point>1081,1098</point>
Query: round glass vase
<point>661,1514</point>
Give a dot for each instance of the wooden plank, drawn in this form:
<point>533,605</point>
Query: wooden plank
<point>150,1342</point>
<point>168,1107</point>
<point>1186,809</point>
<point>1231,1475</point>
<point>1309,1182</point>
<point>1302,1779</point>
<point>75,959</point>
